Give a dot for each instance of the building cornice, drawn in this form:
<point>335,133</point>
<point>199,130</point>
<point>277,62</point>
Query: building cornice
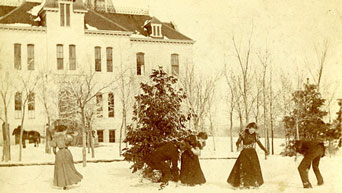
<point>151,40</point>
<point>106,32</point>
<point>22,28</point>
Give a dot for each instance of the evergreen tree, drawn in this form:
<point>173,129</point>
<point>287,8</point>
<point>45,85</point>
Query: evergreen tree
<point>308,116</point>
<point>157,118</point>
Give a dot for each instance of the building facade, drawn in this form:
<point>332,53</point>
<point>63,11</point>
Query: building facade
<point>56,39</point>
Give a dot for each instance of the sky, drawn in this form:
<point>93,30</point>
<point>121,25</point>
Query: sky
<point>294,32</point>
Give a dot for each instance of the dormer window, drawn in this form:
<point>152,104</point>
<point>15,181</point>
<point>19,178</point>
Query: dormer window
<point>156,30</point>
<point>64,10</point>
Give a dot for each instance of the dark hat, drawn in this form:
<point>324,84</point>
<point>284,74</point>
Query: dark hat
<point>61,128</point>
<point>252,125</point>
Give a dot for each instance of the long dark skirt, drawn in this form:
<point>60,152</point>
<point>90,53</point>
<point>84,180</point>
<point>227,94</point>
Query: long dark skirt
<point>65,172</point>
<point>191,172</point>
<point>246,171</point>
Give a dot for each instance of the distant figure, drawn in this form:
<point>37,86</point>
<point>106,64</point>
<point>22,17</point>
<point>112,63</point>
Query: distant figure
<point>312,151</point>
<point>157,160</point>
<point>65,173</point>
<point>246,171</point>
<point>191,172</point>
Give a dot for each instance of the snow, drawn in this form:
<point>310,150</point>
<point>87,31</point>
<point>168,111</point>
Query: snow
<point>280,173</point>
<point>18,24</point>
<point>147,22</point>
<point>35,10</point>
<point>37,19</point>
<point>138,36</point>
<point>89,27</point>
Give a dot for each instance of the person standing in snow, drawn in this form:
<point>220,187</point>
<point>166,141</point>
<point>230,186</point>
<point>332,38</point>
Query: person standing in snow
<point>191,172</point>
<point>65,173</point>
<point>246,171</point>
<point>312,151</point>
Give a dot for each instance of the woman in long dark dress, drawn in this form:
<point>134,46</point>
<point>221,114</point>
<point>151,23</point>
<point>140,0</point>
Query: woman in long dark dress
<point>65,173</point>
<point>191,172</point>
<point>246,171</point>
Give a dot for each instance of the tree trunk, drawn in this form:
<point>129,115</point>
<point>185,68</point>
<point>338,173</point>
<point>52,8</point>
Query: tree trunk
<point>47,138</point>
<point>231,132</point>
<point>5,150</point>
<point>92,145</point>
<point>84,139</point>
<point>21,133</point>
<point>88,140</point>
<point>6,156</point>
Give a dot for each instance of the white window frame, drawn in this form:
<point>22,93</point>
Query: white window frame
<point>156,30</point>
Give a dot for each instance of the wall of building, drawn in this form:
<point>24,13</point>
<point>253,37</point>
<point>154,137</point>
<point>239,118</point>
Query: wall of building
<point>45,41</point>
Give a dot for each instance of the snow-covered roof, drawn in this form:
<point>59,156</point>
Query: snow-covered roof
<point>27,15</point>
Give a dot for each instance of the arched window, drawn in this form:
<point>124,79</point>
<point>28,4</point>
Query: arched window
<point>140,63</point>
<point>175,64</point>
<point>72,57</point>
<point>110,104</point>
<point>60,57</point>
<point>18,104</point>
<point>109,53</point>
<point>30,57</point>
<point>17,56</point>
<point>98,59</point>
<point>31,105</point>
<point>99,104</point>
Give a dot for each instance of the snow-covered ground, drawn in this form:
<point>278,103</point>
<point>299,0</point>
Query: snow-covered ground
<point>280,173</point>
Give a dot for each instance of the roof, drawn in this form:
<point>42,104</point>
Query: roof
<point>27,14</point>
<point>94,20</point>
<point>5,10</point>
<point>135,24</point>
<point>22,14</point>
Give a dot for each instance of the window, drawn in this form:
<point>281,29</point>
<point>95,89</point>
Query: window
<point>61,11</point>
<point>17,105</point>
<point>174,64</point>
<point>60,57</point>
<point>72,57</point>
<point>111,136</point>
<point>109,52</point>
<point>67,10</point>
<point>64,11</point>
<point>140,63</point>
<point>156,30</point>
<point>99,105</point>
<point>31,105</point>
<point>100,135</point>
<point>98,59</point>
<point>110,105</point>
<point>30,57</point>
<point>17,56</point>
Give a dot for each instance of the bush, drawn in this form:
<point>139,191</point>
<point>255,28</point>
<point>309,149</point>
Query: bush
<point>157,118</point>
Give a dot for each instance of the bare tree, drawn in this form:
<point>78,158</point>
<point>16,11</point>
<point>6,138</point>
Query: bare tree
<point>198,95</point>
<point>126,79</point>
<point>264,61</point>
<point>211,88</point>
<point>83,89</point>
<point>321,62</point>
<point>244,63</point>
<point>28,82</point>
<point>45,98</point>
<point>233,99</point>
